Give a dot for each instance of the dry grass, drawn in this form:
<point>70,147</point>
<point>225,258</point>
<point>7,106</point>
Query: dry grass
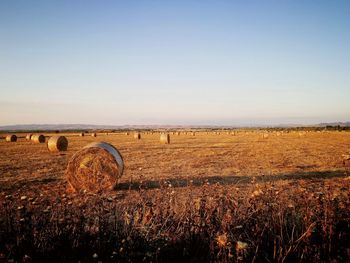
<point>212,198</point>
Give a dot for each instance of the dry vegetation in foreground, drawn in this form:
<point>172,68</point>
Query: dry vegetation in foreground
<point>218,198</point>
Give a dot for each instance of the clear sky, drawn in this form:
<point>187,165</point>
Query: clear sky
<point>174,62</point>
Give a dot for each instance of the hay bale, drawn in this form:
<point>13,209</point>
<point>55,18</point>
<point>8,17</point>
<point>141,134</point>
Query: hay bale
<point>95,168</point>
<point>164,138</point>
<point>29,136</point>
<point>265,136</point>
<point>127,133</point>
<point>93,134</point>
<point>81,134</point>
<point>57,144</point>
<point>137,135</point>
<point>38,138</point>
<point>193,134</point>
<point>11,138</point>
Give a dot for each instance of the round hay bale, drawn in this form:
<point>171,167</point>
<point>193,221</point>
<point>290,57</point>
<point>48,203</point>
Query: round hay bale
<point>126,133</point>
<point>93,134</point>
<point>95,168</point>
<point>57,144</point>
<point>81,134</point>
<point>137,135</point>
<point>29,136</point>
<point>11,138</point>
<point>38,138</point>
<point>164,138</point>
<point>193,134</point>
<point>265,135</point>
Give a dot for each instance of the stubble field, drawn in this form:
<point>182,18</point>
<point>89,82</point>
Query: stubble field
<point>209,197</point>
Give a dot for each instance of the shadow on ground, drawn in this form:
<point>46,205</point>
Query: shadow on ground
<point>228,180</point>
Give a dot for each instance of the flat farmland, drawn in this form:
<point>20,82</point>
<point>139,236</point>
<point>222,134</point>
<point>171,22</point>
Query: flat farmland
<point>219,158</point>
<point>210,197</point>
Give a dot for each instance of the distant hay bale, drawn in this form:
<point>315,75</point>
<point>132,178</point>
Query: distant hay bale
<point>126,133</point>
<point>38,138</point>
<point>95,168</point>
<point>93,134</point>
<point>193,134</point>
<point>81,134</point>
<point>178,133</point>
<point>164,138</point>
<point>137,135</point>
<point>11,138</point>
<point>29,136</point>
<point>57,144</point>
<point>265,135</point>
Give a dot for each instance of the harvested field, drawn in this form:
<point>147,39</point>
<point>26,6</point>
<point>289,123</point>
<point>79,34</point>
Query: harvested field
<point>201,198</point>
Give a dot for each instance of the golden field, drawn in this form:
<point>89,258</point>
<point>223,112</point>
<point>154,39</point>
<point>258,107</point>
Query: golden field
<point>209,197</point>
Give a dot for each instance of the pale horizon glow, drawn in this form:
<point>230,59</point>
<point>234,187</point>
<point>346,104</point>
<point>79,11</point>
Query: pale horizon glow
<point>174,62</point>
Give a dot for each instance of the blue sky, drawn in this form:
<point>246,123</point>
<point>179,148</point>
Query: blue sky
<point>174,62</point>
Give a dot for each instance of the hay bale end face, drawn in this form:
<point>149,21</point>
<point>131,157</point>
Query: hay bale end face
<point>95,168</point>
<point>164,138</point>
<point>11,138</point>
<point>38,138</point>
<point>93,134</point>
<point>57,144</point>
<point>137,135</point>
<point>81,134</point>
<point>29,136</point>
